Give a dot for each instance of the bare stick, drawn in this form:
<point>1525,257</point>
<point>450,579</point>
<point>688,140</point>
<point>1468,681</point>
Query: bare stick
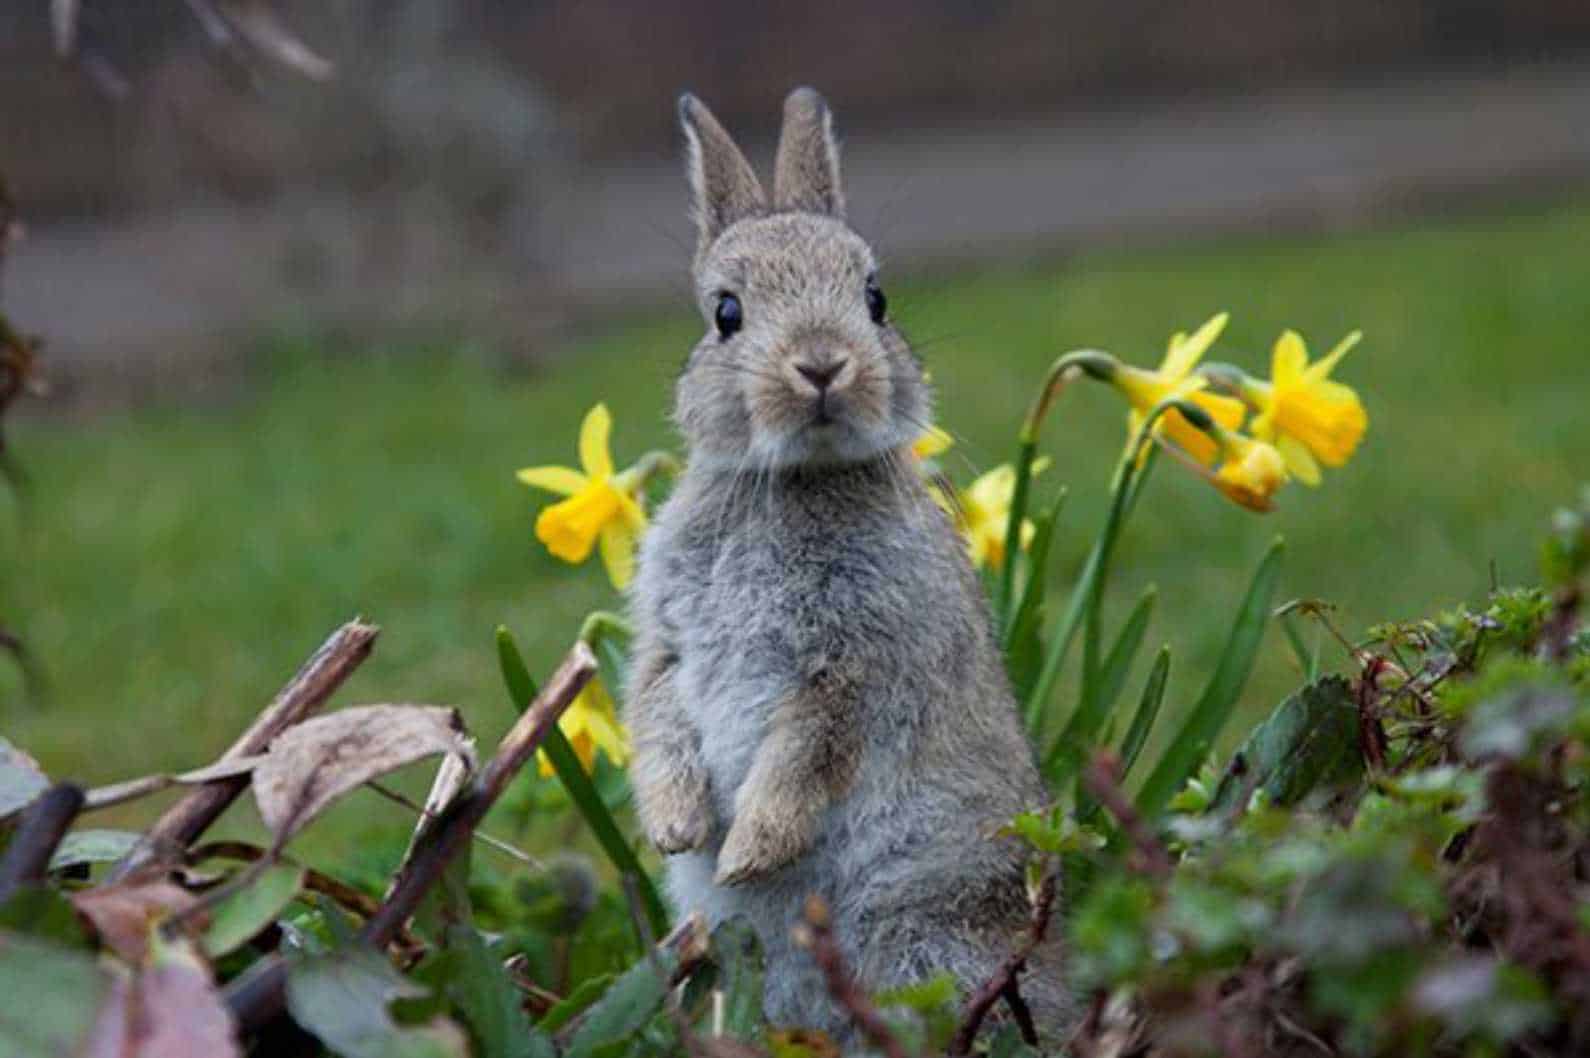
<point>42,827</point>
<point>1102,779</point>
<point>258,996</point>
<point>1003,982</point>
<point>307,691</point>
<point>816,935</point>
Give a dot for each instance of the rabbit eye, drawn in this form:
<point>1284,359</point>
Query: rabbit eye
<point>877,304</point>
<point>728,316</point>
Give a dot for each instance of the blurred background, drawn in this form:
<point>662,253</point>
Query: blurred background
<point>313,280</point>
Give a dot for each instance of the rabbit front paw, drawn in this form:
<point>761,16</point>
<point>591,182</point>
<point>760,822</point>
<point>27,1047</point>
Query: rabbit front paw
<point>758,844</point>
<point>678,817</point>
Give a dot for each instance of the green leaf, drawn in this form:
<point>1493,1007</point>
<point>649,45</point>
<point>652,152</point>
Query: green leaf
<point>481,992</point>
<point>1081,730</point>
<point>1025,457</point>
<point>585,993</point>
<point>1209,714</point>
<point>738,955</point>
<point>343,998</point>
<point>1147,711</point>
<point>1307,660</point>
<point>1311,739</point>
<point>522,688</point>
<point>92,846</point>
<point>43,913</point>
<point>51,995</point>
<point>1023,639</point>
<point>1085,595</point>
<point>626,1006</point>
<point>243,915</point>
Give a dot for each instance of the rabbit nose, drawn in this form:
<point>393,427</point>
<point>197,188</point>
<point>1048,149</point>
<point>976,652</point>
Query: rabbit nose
<point>821,376</point>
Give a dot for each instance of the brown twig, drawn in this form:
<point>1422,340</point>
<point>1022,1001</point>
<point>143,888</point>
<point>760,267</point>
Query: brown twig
<point>816,935</point>
<point>1103,781</point>
<point>43,825</point>
<point>257,997</point>
<point>307,691</point>
<point>1003,984</point>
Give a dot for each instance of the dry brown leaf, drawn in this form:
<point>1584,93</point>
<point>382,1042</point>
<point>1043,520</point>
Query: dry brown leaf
<point>116,793</point>
<point>310,766</point>
<point>258,23</point>
<point>169,1010</point>
<point>123,914</point>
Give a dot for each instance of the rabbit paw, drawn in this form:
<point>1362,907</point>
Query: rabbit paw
<point>757,846</point>
<point>678,818</point>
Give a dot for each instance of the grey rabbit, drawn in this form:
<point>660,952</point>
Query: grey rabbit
<point>817,701</point>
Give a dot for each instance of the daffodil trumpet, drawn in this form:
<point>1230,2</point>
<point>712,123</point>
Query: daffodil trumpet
<point>1250,471</point>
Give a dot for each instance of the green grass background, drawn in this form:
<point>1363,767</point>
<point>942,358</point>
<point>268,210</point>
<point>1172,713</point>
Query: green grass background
<point>175,564</point>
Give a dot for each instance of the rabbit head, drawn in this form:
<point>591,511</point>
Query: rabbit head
<point>800,364</point>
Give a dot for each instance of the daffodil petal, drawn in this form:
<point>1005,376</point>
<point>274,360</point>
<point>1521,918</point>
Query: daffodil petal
<point>994,489</point>
<point>1299,461</point>
<point>1184,356</point>
<point>1288,359</point>
<point>633,513</point>
<point>594,433</point>
<point>562,480</point>
<point>616,542</point>
<point>932,442</point>
<point>1322,368</point>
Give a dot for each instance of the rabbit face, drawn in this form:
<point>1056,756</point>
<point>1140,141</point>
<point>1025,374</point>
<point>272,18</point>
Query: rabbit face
<point>800,364</point>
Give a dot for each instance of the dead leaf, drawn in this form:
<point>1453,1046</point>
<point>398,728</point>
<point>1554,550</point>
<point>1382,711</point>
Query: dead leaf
<point>21,779</point>
<point>311,765</point>
<point>168,1010</point>
<point>116,793</point>
<point>123,914</point>
<point>257,22</point>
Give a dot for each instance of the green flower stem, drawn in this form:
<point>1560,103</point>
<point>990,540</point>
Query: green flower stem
<point>650,465</point>
<point>1099,365</point>
<point>600,624</point>
<point>1084,602</point>
<point>521,689</point>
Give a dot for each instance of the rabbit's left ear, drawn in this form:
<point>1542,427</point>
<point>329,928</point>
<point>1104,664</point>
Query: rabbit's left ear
<point>806,175</point>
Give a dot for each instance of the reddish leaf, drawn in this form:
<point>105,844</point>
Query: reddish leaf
<point>123,914</point>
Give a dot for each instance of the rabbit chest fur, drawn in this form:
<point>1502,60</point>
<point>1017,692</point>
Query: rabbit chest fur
<point>853,576</point>
<point>817,702</point>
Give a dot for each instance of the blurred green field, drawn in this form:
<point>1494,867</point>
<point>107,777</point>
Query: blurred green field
<point>175,564</point>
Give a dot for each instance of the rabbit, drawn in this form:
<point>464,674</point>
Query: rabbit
<point>816,702</point>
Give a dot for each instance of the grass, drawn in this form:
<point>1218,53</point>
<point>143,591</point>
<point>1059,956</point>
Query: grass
<point>174,564</point>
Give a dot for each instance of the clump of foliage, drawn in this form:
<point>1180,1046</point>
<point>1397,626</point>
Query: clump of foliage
<point>1396,863</point>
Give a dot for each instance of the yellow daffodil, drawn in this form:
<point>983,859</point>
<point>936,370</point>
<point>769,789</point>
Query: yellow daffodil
<point>933,442</point>
<point>1250,471</point>
<point>1307,416</point>
<point>602,509</point>
<point>985,514</point>
<point>1143,389</point>
<point>590,724</point>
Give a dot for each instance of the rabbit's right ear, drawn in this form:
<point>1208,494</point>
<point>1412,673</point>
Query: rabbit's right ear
<point>723,186</point>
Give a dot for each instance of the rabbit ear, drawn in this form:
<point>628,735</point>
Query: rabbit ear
<point>723,187</point>
<point>806,175</point>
